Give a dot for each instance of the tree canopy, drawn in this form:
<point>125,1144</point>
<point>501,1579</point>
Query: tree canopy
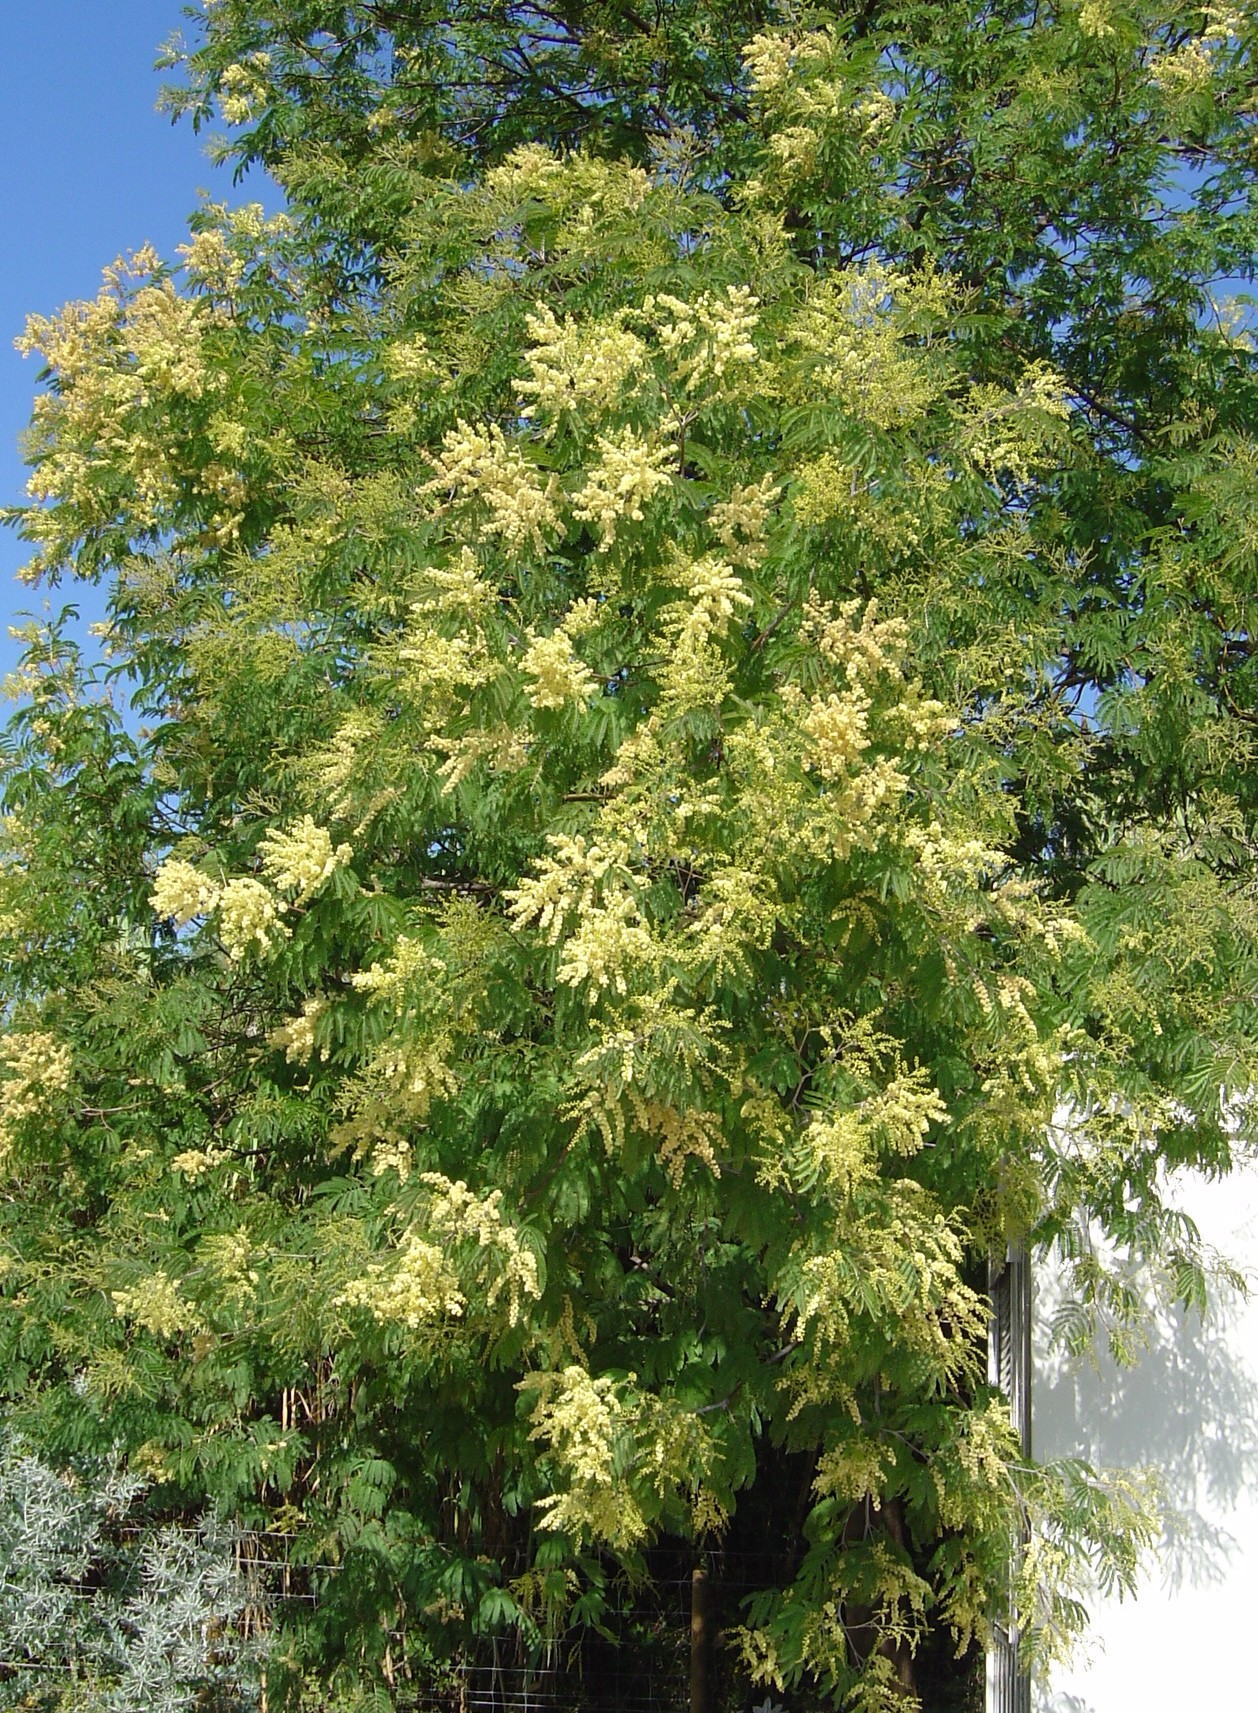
<point>672,770</point>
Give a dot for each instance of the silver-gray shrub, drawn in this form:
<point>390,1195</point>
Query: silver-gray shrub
<point>104,1609</point>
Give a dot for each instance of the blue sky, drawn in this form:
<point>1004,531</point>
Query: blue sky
<point>90,169</point>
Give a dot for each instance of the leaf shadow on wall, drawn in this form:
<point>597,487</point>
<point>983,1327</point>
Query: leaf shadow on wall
<point>1188,1408</point>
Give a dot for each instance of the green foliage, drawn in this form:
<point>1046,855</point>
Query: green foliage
<point>696,782</point>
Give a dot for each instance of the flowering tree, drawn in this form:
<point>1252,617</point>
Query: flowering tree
<point>695,702</point>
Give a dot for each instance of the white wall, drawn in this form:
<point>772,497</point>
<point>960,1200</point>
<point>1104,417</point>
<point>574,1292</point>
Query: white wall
<point>1186,1644</point>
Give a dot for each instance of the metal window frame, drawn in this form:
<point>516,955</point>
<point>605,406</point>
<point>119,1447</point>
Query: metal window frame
<point>1009,1367</point>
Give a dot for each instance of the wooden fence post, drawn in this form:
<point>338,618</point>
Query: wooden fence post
<point>700,1641</point>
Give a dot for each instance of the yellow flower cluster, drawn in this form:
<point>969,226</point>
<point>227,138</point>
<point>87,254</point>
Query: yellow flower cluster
<point>829,492</point>
<point>900,1116</point>
<point>695,674</point>
<point>300,859</point>
<point>457,588</point>
<point>839,731</point>
<point>529,170</point>
<point>866,323</point>
<point>196,1162</point>
<point>559,674</point>
<point>837,1148</point>
<point>164,332</point>
<point>863,651</point>
<point>210,261</point>
<point>576,365</point>
<point>458,1215</point>
<point>439,668</point>
<point>682,1136</point>
<point>946,862</point>
<point>132,348</point>
<point>739,911</point>
<point>419,1284</point>
<point>242,88</point>
<point>409,359</point>
<point>181,892</point>
<point>482,465</point>
<point>577,1414</point>
<point>803,82</point>
<point>215,257</point>
<point>611,942</point>
<point>854,1469</point>
<point>772,58</point>
<point>585,186</point>
<point>580,1418</point>
<point>228,1256</point>
<point>629,472</point>
<point>39,1069</point>
<point>156,1305</point>
<point>565,884</point>
<point>249,919</point>
<point>393,982</point>
<point>738,523</point>
<point>393,1092</point>
<point>1096,19</point>
<point>297,1036</point>
<point>1008,432</point>
<point>420,1288</point>
<point>409,1069</point>
<point>717,595</point>
<point>502,749</point>
<point>705,339</point>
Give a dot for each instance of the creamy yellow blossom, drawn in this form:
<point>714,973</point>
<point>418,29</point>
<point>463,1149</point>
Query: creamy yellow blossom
<point>409,359</point>
<point>1096,19</point>
<point>559,674</point>
<point>717,595</point>
<point>197,1162</point>
<point>565,883</point>
<point>579,1416</point>
<point>739,522</point>
<point>394,982</point>
<point>838,728</point>
<point>441,669</point>
<point>297,1036</point>
<point>39,1068</point>
<point>228,1257</point>
<point>577,366</point>
<point>181,892</point>
<point>612,941</point>
<point>155,1304</point>
<point>419,1288</point>
<point>586,185</point>
<point>458,1215</point>
<point>483,465</point>
<point>689,1135</point>
<point>242,88</point>
<point>502,749</point>
<point>300,859</point>
<point>706,339</point>
<point>770,58</point>
<point>630,471</point>
<point>120,362</point>
<point>421,1284</point>
<point>1008,432</point>
<point>861,335</point>
<point>458,587</point>
<point>249,919</point>
<point>855,1469</point>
